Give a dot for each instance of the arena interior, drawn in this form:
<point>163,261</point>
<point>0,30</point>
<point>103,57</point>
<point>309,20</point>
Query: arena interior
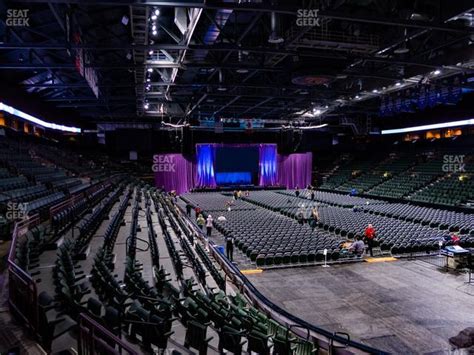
<point>236,177</point>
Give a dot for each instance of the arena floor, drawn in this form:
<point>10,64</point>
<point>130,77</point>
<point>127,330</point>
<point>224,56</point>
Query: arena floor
<point>403,307</point>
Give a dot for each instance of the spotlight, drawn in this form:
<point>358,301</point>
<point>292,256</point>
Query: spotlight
<point>150,70</point>
<point>357,97</point>
<point>398,84</point>
<point>157,12</point>
<point>375,91</point>
<point>146,106</point>
<point>317,112</point>
<point>437,72</point>
<point>148,80</point>
<point>154,33</point>
<point>153,27</point>
<point>154,17</point>
<point>150,53</point>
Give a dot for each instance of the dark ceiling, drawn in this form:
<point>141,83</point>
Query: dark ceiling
<point>214,58</point>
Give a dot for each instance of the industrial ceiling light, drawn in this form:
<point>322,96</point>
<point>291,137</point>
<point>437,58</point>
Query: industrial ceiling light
<point>148,80</point>
<point>221,79</point>
<point>357,97</point>
<point>154,33</point>
<point>150,53</point>
<point>154,17</point>
<point>317,112</point>
<point>150,70</point>
<point>375,91</point>
<point>274,37</point>
<point>146,106</point>
<point>157,12</point>
<point>437,72</point>
<point>398,83</point>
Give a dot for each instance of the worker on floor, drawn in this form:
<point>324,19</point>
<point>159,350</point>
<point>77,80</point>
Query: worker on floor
<point>229,247</point>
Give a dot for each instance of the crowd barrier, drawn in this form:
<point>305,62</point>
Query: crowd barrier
<point>95,339</point>
<point>23,293</point>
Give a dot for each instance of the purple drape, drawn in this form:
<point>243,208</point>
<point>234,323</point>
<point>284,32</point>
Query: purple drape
<point>205,172</point>
<point>294,170</point>
<point>267,165</point>
<point>173,172</point>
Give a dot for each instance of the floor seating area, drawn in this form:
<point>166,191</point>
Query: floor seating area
<point>270,234</point>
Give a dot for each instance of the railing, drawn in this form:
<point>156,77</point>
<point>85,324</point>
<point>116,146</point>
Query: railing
<point>22,288</point>
<point>334,343</point>
<point>95,339</point>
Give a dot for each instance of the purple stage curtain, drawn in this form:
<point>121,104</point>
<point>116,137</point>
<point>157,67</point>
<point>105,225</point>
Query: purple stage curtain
<point>205,172</point>
<point>173,172</point>
<point>267,165</point>
<point>294,170</point>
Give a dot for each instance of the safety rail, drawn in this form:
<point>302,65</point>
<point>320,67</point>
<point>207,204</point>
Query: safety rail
<point>21,286</point>
<point>23,292</point>
<point>334,343</point>
<point>96,339</point>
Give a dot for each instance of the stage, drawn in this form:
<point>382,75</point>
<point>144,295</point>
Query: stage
<point>223,167</point>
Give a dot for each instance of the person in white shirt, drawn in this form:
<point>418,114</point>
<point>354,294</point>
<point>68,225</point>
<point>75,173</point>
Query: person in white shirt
<point>209,221</point>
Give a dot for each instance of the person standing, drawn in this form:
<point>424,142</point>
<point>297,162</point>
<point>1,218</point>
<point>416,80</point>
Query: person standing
<point>200,221</point>
<point>209,221</point>
<point>315,217</point>
<point>198,210</point>
<point>229,247</point>
<point>370,236</point>
<point>188,209</point>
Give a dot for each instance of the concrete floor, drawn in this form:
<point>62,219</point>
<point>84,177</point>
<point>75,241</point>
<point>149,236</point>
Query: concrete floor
<point>403,307</point>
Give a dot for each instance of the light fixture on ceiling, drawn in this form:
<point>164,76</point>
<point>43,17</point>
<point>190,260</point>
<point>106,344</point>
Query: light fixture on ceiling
<point>148,80</point>
<point>375,91</point>
<point>274,37</point>
<point>146,106</point>
<point>150,52</point>
<point>357,97</point>
<point>150,70</point>
<point>157,12</point>
<point>317,112</point>
<point>398,83</point>
<point>437,72</point>
<point>221,80</point>
<point>154,33</point>
<point>125,20</point>
<point>153,28</point>
<point>154,17</point>
<point>403,49</point>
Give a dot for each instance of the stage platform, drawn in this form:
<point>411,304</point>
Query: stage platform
<point>237,187</point>
<point>403,307</point>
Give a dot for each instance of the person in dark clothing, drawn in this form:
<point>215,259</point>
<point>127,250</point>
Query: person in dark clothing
<point>312,195</point>
<point>229,247</point>
<point>188,209</point>
<point>297,192</point>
